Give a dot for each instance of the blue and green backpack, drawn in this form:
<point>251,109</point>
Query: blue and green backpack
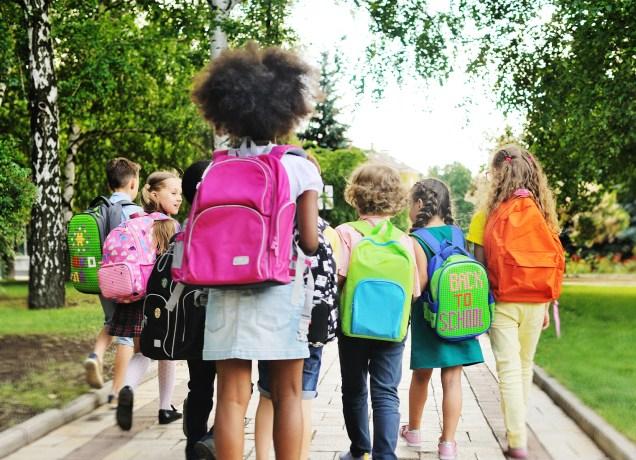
<point>376,300</point>
<point>457,303</point>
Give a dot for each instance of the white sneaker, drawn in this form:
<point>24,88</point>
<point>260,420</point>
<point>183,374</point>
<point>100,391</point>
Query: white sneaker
<point>93,371</point>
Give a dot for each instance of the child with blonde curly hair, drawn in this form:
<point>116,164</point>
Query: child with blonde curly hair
<point>525,263</point>
<point>376,193</point>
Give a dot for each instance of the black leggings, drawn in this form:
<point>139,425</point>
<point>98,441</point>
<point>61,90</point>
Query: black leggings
<point>199,402</point>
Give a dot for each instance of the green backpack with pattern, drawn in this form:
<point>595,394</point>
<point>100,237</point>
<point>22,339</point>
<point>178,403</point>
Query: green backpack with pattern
<point>376,300</point>
<point>86,234</point>
<point>457,304</point>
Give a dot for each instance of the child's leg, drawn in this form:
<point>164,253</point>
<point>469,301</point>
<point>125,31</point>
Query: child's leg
<point>311,374</point>
<point>504,337</point>
<point>123,353</point>
<point>199,400</point>
<point>306,442</point>
<point>529,333</point>
<point>354,367</point>
<point>136,370</point>
<point>385,373</point>
<point>234,390</point>
<point>264,427</point>
<point>418,394</point>
<point>167,375</point>
<point>286,386</point>
<point>452,401</point>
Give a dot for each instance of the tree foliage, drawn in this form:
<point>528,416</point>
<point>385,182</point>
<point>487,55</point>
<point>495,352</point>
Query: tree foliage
<point>459,181</point>
<point>324,130</point>
<point>571,64</point>
<point>17,193</point>
<point>336,166</point>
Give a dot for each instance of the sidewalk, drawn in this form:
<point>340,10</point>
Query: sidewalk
<point>480,434</point>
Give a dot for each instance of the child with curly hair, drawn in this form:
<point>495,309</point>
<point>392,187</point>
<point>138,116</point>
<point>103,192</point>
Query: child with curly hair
<point>257,96</point>
<point>376,193</point>
<point>431,209</point>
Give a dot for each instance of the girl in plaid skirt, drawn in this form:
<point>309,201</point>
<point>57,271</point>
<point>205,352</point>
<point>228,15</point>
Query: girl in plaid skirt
<point>161,193</point>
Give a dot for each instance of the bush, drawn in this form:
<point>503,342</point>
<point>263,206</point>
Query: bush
<point>17,194</point>
<point>611,265</point>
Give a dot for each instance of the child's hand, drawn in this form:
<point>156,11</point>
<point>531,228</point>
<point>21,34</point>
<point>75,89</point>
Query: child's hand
<point>546,319</point>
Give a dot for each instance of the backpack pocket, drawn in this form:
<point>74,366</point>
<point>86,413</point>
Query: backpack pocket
<point>377,309</point>
<point>116,281</point>
<point>223,254</point>
<point>530,275</point>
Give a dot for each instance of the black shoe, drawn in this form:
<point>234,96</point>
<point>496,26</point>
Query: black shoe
<point>169,415</point>
<point>205,448</point>
<point>124,412</point>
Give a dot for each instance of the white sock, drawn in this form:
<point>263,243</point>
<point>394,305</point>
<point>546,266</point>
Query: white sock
<point>136,369</point>
<point>167,375</point>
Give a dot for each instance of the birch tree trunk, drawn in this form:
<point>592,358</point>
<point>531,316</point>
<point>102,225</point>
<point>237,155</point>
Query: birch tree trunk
<point>46,236</point>
<point>218,42</point>
<point>69,173</point>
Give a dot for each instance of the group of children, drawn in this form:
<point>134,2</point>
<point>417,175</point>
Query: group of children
<point>258,96</point>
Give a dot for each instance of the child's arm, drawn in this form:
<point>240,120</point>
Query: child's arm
<point>307,216</point>
<point>421,265</point>
<point>479,253</point>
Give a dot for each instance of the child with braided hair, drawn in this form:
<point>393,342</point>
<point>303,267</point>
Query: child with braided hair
<point>431,209</point>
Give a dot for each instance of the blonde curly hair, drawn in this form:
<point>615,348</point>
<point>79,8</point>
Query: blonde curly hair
<point>376,189</point>
<point>512,168</point>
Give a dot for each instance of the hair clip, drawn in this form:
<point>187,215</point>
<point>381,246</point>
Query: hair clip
<point>508,158</point>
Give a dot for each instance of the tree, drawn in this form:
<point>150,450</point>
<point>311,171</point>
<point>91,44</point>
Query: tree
<point>573,73</point>
<point>46,248</point>
<point>459,180</point>
<point>324,130</point>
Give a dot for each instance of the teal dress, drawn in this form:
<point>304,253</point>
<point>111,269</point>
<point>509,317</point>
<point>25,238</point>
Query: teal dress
<point>428,350</point>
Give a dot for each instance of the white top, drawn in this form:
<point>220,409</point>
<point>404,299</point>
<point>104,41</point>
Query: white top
<point>301,172</point>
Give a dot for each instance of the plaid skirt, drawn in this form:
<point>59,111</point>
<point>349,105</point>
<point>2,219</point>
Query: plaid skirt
<point>127,320</point>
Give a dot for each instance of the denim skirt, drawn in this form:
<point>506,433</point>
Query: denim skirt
<point>263,323</point>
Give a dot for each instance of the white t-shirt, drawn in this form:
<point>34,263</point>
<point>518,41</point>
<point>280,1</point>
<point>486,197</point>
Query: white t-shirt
<point>301,172</point>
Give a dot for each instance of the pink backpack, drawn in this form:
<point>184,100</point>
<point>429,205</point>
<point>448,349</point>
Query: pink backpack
<point>128,257</point>
<point>241,222</point>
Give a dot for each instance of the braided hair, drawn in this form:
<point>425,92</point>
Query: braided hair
<point>436,200</point>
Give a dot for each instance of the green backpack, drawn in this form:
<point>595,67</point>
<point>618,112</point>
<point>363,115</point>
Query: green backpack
<point>86,234</point>
<point>457,304</point>
<point>377,293</point>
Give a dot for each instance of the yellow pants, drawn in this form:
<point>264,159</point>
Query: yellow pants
<point>514,336</point>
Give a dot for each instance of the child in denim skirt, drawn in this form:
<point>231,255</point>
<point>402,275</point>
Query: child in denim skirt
<point>256,96</point>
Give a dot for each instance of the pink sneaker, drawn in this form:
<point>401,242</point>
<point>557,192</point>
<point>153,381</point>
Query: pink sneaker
<point>447,450</point>
<point>517,452</point>
<point>413,438</point>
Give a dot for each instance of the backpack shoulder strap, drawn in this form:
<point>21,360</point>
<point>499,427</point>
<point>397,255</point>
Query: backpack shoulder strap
<point>457,237</point>
<point>99,201</point>
<point>219,153</point>
<point>362,227</point>
<point>428,239</point>
<point>279,150</point>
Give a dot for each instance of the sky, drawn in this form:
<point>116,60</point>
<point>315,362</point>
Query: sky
<point>421,124</point>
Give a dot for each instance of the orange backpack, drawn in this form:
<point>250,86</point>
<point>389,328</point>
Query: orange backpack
<point>524,257</point>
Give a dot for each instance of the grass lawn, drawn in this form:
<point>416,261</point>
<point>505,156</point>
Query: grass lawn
<point>596,355</point>
<point>82,317</point>
<point>41,351</point>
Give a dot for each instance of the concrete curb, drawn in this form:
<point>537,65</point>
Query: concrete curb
<point>31,430</point>
<point>613,443</point>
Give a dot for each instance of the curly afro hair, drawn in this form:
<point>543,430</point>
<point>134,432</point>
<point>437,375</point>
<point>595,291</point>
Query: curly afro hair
<point>254,92</point>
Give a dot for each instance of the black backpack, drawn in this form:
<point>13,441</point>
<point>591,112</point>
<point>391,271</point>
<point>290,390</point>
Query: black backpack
<point>324,315</point>
<point>172,334</point>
